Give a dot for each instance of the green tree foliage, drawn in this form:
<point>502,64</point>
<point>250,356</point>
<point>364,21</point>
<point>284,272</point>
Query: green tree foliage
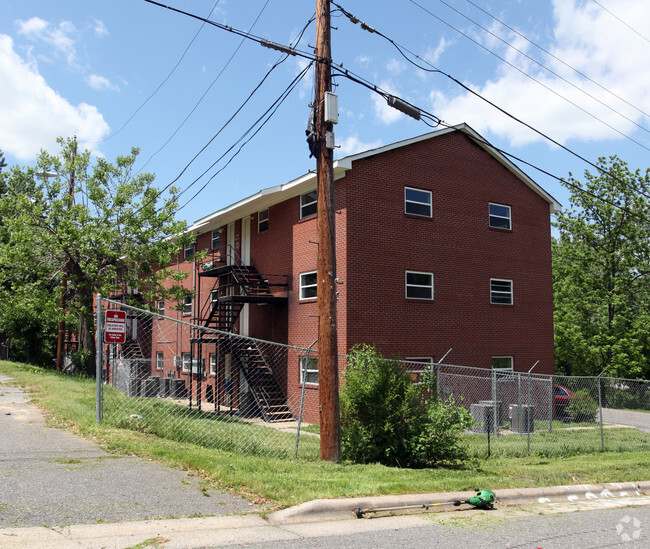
<point>385,420</point>
<point>601,263</point>
<point>92,223</point>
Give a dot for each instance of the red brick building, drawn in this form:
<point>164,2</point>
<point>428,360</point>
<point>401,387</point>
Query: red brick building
<point>441,242</point>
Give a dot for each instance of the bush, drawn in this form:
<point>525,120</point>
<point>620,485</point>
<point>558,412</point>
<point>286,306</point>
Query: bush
<point>384,421</point>
<point>582,407</point>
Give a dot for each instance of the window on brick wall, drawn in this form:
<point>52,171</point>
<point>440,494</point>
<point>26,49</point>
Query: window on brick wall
<point>187,305</point>
<point>500,216</point>
<point>215,238</point>
<point>502,363</point>
<point>309,370</point>
<point>263,221</point>
<point>213,363</point>
<point>161,306</point>
<point>160,360</point>
<point>188,251</point>
<point>420,369</point>
<point>418,202</point>
<point>308,204</point>
<point>186,361</point>
<point>419,285</point>
<point>501,291</point>
<point>308,285</point>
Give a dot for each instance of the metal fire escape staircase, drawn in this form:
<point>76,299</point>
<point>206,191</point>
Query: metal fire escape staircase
<point>234,287</point>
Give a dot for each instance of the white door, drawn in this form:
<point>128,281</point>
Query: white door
<point>231,244</point>
<point>246,241</point>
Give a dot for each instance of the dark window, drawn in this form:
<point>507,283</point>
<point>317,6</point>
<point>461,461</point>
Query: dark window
<point>500,216</point>
<point>500,291</point>
<point>308,204</point>
<point>419,285</point>
<point>417,202</point>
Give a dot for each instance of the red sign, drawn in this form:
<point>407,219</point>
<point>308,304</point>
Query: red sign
<point>115,327</point>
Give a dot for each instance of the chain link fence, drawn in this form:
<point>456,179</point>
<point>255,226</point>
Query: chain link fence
<point>222,390</point>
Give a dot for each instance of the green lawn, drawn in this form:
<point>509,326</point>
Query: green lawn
<point>69,402</point>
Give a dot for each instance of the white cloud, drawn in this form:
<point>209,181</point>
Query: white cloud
<point>433,55</point>
<point>33,115</point>
<point>99,28</point>
<point>587,38</point>
<point>395,66</point>
<point>100,83</point>
<point>352,145</point>
<point>59,37</point>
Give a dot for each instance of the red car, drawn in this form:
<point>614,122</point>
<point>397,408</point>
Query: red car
<point>561,398</point>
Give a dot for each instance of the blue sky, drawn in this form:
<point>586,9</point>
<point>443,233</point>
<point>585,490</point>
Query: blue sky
<point>579,73</point>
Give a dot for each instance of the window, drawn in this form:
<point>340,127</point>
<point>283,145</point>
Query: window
<point>160,360</point>
<point>500,217</point>
<point>214,299</point>
<point>187,305</point>
<point>308,203</point>
<point>186,362</point>
<point>213,363</point>
<point>500,291</point>
<point>419,285</point>
<point>188,251</point>
<point>263,221</point>
<point>417,202</point>
<point>309,370</point>
<point>502,363</point>
<point>215,236</point>
<point>308,285</point>
<point>161,307</point>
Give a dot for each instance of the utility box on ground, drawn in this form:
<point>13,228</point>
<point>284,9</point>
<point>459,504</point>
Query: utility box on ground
<point>523,418</point>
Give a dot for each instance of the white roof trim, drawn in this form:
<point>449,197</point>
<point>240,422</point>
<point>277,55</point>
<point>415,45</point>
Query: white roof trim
<point>278,193</point>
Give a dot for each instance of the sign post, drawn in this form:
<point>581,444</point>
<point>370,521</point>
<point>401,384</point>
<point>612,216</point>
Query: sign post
<point>115,327</point>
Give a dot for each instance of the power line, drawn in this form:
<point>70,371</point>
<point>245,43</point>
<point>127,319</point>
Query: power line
<point>549,53</point>
<point>527,75</point>
<point>620,20</point>
<point>196,105</point>
<point>164,81</point>
<point>575,86</point>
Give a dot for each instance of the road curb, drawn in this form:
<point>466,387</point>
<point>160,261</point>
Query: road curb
<point>340,509</point>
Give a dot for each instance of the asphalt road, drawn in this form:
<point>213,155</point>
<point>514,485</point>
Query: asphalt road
<point>51,477</point>
<point>640,420</point>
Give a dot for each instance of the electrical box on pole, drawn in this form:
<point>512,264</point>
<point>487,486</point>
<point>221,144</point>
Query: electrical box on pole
<point>331,108</point>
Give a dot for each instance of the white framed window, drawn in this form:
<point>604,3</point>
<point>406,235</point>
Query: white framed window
<point>309,370</point>
<point>188,251</point>
<point>187,305</point>
<point>214,299</point>
<point>501,291</point>
<point>419,285</point>
<point>308,204</point>
<point>418,202</point>
<point>263,221</point>
<point>308,285</point>
<point>500,216</point>
<point>213,363</point>
<point>160,360</point>
<point>502,363</point>
<point>160,305</point>
<point>185,364</point>
<point>215,239</point>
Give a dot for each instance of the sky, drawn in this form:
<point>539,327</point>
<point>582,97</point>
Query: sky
<point>125,73</point>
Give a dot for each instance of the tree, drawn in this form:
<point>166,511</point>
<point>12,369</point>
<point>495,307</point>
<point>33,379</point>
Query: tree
<point>601,267</point>
<point>98,226</point>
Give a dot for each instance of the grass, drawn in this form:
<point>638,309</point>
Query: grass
<point>69,402</point>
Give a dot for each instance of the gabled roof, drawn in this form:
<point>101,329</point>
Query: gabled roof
<point>307,182</point>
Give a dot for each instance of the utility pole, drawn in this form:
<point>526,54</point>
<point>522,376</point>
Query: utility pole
<point>60,343</point>
<point>328,371</point>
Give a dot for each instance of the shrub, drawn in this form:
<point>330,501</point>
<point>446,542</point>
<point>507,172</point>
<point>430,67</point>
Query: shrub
<point>383,419</point>
<point>582,406</point>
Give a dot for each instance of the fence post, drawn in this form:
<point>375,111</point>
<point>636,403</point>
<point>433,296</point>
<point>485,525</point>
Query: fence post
<point>600,407</point>
<point>302,397</point>
<point>551,405</point>
<point>98,362</point>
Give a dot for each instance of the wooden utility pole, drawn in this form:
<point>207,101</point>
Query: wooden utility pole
<point>60,342</point>
<point>328,371</point>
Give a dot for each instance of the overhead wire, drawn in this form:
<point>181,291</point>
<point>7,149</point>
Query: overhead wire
<point>559,60</point>
<point>538,63</point>
<point>620,20</point>
<point>196,105</point>
<point>164,81</point>
<point>401,49</point>
<point>524,73</point>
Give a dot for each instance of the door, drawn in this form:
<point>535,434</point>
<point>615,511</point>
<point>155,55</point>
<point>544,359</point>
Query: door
<point>246,241</point>
<point>230,257</point>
